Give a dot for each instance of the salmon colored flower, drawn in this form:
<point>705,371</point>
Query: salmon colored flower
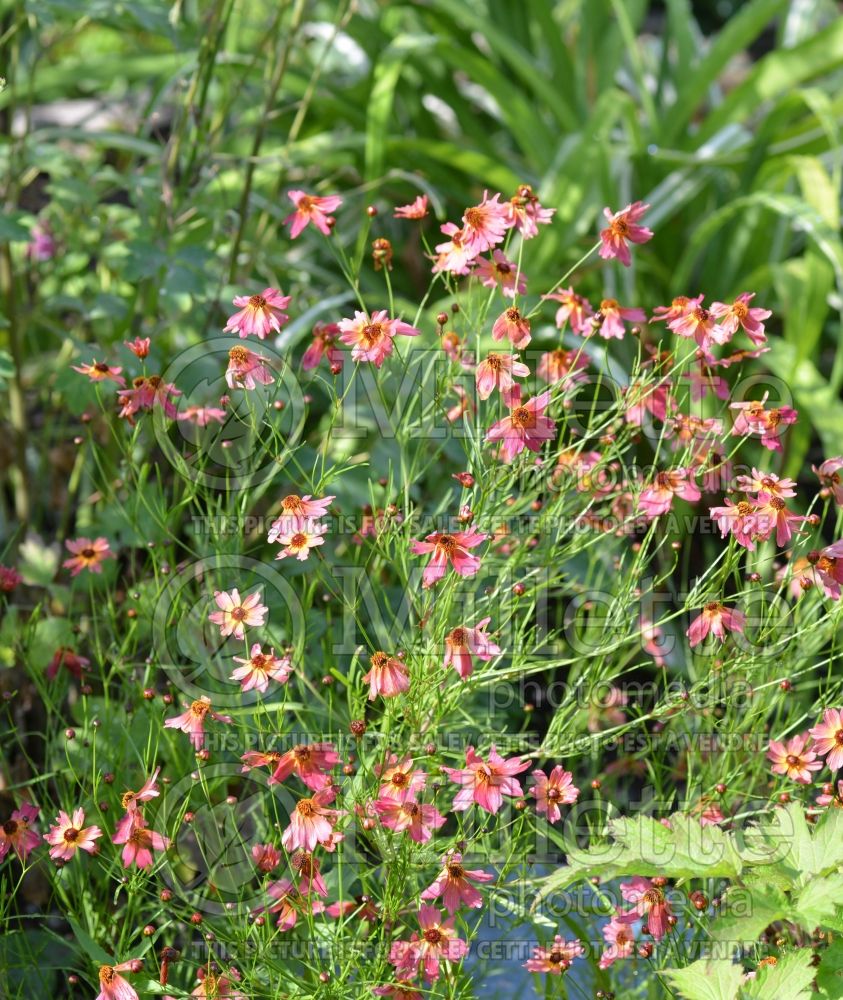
<point>485,782</point>
<point>131,802</point>
<point>417,209</point>
<point>70,660</point>
<point>387,677</point>
<point>828,738</point>
<point>310,208</point>
<point>650,904</point>
<point>766,485</point>
<point>610,319</point>
<point>677,309</point>
<point>192,721</point>
<point>622,229</point>
<point>525,427</point>
<point>448,548</point>
<point>485,225</point>
<point>297,511</point>
<point>324,337</point>
<point>739,314</point>
<point>455,254</point>
<point>753,418</point>
<point>297,543</point>
<point>438,942</point>
<point>260,669</point>
<point>699,324</point>
<point>267,857</point>
<point>69,835</point>
<point>793,760</point>
<point>310,762</point>
<point>463,643</point>
<point>201,416</point>
<point>717,619</point>
<point>464,405</point>
<point>657,498</point>
<point>87,554</point>
<point>147,392</point>
<point>498,371</point>
<point>574,309</point>
<point>139,346</point>
<point>552,791</point>
<point>559,364</point>
<point>138,843</point>
<point>99,371</point>
<point>737,519</point>
<point>402,989</point>
<point>641,399</point>
<point>288,904</point>
<point>311,822</point>
<point>620,938</point>
<point>113,986</point>
<point>16,833</point>
<point>500,272</point>
<point>400,780</point>
<point>526,214</point>
<point>828,473</point>
<point>774,515</point>
<point>216,987</point>
<point>236,613</point>
<point>512,325</point>
<point>372,338</point>
<point>556,958</point>
<point>246,370</point>
<point>417,819</point>
<point>828,567</point>
<point>453,884</point>
<point>259,314</point>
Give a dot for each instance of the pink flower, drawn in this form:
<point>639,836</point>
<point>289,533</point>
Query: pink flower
<point>310,762</point>
<point>9,579</point>
<point>202,415</point>
<point>793,760</point>
<point>43,244</point>
<point>259,314</point>
<point>766,485</point>
<point>829,475</point>
<point>464,405</point>
<point>372,339</point>
<point>16,833</point>
<point>657,499</point>
<point>622,228</point>
<point>698,323</point>
<point>98,371</point>
<point>448,548</point>
<point>147,392</point>
<point>453,884</point>
<point>324,338</point>
<point>87,555</point>
<point>485,225</point>
<point>512,325</point>
<point>526,214</point>
<point>310,208</point>
<point>620,938</point>
<point>717,619</point>
<point>486,781</point>
<point>611,325</point>
<point>574,309</point>
<point>753,418</point>
<point>641,399</point>
<point>113,986</point>
<point>297,511</point>
<point>455,254</point>
<point>246,370</point>
<point>497,371</point>
<point>132,817</point>
<point>400,780</point>
<point>216,987</point>
<point>462,643</point>
<point>773,514</point>
<point>438,942</point>
<point>649,903</point>
<point>828,738</point>
<point>828,566</point>
<point>69,835</point>
<point>556,958</point>
<point>298,542</point>
<point>70,660</point>
<point>739,314</point>
<point>311,821</point>
<point>387,677</point>
<point>192,721</point>
<point>737,519</point>
<point>500,271</point>
<point>418,819</point>
<point>525,427</point>
<point>403,989</point>
<point>559,364</point>
<point>678,308</point>
<point>139,346</point>
<point>139,843</point>
<point>236,613</point>
<point>267,857</point>
<point>551,792</point>
<point>260,668</point>
<point>415,210</point>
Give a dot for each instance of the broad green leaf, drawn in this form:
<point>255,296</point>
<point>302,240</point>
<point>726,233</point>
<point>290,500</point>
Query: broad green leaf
<point>746,912</point>
<point>819,902</point>
<point>789,978</point>
<point>830,971</point>
<point>706,980</point>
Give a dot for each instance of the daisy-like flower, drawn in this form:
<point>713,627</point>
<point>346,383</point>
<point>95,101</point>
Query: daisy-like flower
<point>463,643</point>
<point>87,554</point>
<point>16,833</point>
<point>311,822</point>
<point>513,326</point>
<point>620,938</point>
<point>453,884</point>
<point>766,485</point>
<point>657,499</point>
<point>139,842</point>
<point>559,364</point>
<point>307,867</point>
<point>485,782</point>
<point>417,209</point>
<point>773,515</point>
<point>69,834</point>
<point>438,942</point>
<point>70,660</point>
<point>610,319</point>
<point>236,613</point>
<point>828,738</point>
<point>246,370</point>
<point>676,310</point>
<point>792,760</point>
<point>623,229</point>
<point>113,986</point>
<point>201,416</point>
<point>259,314</point>
<point>525,427</point>
<point>498,371</point>
<point>147,392</point>
<point>99,371</point>
<point>717,619</point>
<point>485,225</point>
<point>310,208</point>
<point>828,473</point>
<point>556,958</point>
<point>552,791</point>
<point>448,548</point>
<point>324,337</point>
<point>501,272</point>
<point>132,801</point>
<point>828,568</point>
<point>400,780</point>
<point>298,542</point>
<point>260,669</point>
<point>753,418</point>
<point>310,762</point>
<point>526,214</point>
<point>139,346</point>
<point>192,721</point>
<point>740,314</point>
<point>649,902</point>
<point>455,254</point>
<point>574,309</point>
<point>699,324</point>
<point>737,519</point>
<point>387,677</point>
<point>216,987</point>
<point>297,511</point>
<point>417,819</point>
<point>371,338</point>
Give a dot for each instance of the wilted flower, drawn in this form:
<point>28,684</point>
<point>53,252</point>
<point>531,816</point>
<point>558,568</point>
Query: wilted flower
<point>526,214</point>
<point>717,619</point>
<point>387,677</point>
<point>147,392</point>
<point>70,660</point>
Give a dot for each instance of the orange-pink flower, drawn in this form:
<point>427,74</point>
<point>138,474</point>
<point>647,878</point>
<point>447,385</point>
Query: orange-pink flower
<point>99,371</point>
<point>311,208</point>
<point>17,834</point>
<point>113,986</point>
<point>87,554</point>
<point>259,314</point>
<point>415,210</point>
<point>556,958</point>
<point>371,338</point>
<point>387,676</point>
<point>260,668</point>
<point>623,229</point>
<point>69,834</point>
<point>717,619</point>
<point>192,721</point>
<point>552,791</point>
<point>525,427</point>
<point>453,884</point>
<point>792,760</point>
<point>448,548</point>
<point>485,782</point>
<point>828,738</point>
<point>236,613</point>
<point>311,822</point>
<point>463,643</point>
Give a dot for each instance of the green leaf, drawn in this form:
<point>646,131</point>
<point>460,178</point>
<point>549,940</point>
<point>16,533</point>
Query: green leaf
<point>746,912</point>
<point>819,902</point>
<point>91,948</point>
<point>830,971</point>
<point>707,980</point>
<point>789,978</point>
<point>11,228</point>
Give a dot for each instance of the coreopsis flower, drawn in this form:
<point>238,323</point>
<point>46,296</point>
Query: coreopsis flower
<point>753,418</point>
<point>828,473</point>
<point>267,857</point>
<point>657,499</point>
<point>139,842</point>
<point>699,324</point>
<point>70,660</point>
<point>559,364</point>
<point>362,907</point>
<point>485,225</point>
<point>42,246</point>
<point>623,229</point>
<point>573,468</point>
<point>737,519</point>
<point>259,314</point>
<point>454,254</point>
<point>192,721</point>
<point>828,738</point>
<point>246,370</point>
<point>464,405</point>
<point>387,676</point>
<point>147,392</point>
<point>525,427</point>
<point>463,643</point>
<point>417,209</point>
<point>610,318</point>
<point>498,371</point>
<point>139,346</point>
<point>620,938</point>
<point>526,214</point>
<point>297,511</point>
<point>649,902</point>
<point>87,554</point>
<point>453,884</point>
<point>311,208</point>
<point>399,779</point>
<point>307,867</point>
<point>402,989</point>
<point>650,635</point>
<point>500,272</point>
<point>131,802</point>
<point>485,782</point>
<point>448,548</point>
<point>9,579</point>
<point>201,416</point>
<point>642,398</point>
<point>740,314</point>
<point>311,822</point>
<point>99,371</point>
<point>512,325</point>
<point>16,833</point>
<point>260,668</point>
<point>236,614</point>
<point>679,306</point>
<point>288,903</point>
<point>216,987</point>
<point>371,338</point>
<point>438,942</point>
<point>717,619</point>
<point>324,337</point>
<point>69,834</point>
<point>773,515</point>
<point>574,309</point>
<point>310,762</point>
<point>417,819</point>
<point>555,958</point>
<point>551,791</point>
<point>297,543</point>
<point>113,986</point>
<point>766,485</point>
<point>792,760</point>
<point>828,568</point>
